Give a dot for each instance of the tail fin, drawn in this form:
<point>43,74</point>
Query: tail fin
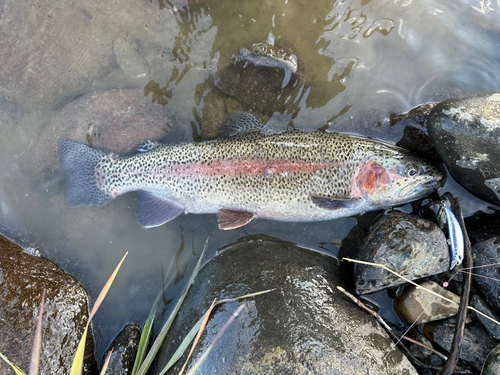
<point>78,161</point>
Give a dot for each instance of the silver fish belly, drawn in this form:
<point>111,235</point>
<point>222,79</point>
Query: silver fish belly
<point>249,173</point>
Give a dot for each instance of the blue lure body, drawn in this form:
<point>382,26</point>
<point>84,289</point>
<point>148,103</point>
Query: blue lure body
<point>456,237</point>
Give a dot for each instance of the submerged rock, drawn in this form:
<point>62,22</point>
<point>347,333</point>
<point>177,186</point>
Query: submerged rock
<point>305,326</point>
<point>492,363</point>
<point>476,343</point>
<point>466,134</point>
<point>124,348</point>
<point>23,278</point>
<point>263,78</point>
<point>407,244</point>
<point>116,120</point>
<point>417,306</point>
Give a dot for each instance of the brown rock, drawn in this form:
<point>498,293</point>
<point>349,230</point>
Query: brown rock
<point>23,278</point>
<point>116,120</point>
<point>417,306</point>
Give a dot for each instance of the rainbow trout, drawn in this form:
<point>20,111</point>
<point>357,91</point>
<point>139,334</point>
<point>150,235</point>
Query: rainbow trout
<point>251,171</point>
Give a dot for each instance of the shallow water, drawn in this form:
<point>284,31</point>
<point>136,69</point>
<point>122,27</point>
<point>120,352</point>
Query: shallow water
<point>361,62</point>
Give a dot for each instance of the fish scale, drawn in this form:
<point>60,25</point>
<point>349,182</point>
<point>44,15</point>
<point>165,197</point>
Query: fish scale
<point>291,175</point>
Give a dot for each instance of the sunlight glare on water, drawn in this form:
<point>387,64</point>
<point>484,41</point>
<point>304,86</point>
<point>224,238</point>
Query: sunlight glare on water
<point>359,62</point>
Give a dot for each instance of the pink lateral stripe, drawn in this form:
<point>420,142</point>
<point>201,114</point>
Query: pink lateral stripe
<point>249,167</point>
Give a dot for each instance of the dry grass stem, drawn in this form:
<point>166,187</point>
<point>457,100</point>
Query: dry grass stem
<point>420,287</point>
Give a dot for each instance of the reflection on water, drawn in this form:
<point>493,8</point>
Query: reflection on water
<point>358,62</point>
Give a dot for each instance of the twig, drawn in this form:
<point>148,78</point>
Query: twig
<point>456,345</point>
<point>419,286</point>
<point>364,307</point>
<point>439,354</point>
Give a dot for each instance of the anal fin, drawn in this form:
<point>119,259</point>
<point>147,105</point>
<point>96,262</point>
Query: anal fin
<point>155,210</point>
<point>232,219</point>
<point>331,203</point>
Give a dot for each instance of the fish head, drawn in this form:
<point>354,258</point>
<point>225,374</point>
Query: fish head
<point>391,176</point>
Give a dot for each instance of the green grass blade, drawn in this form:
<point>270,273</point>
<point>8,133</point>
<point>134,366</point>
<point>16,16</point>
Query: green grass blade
<point>146,334</point>
<point>198,335</point>
<point>14,367</point>
<point>192,333</point>
<point>76,367</point>
<point>166,327</point>
<point>184,345</point>
<point>35,352</point>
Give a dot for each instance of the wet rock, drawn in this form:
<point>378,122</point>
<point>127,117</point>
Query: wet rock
<point>306,326</point>
<point>116,120</point>
<point>409,245</point>
<point>466,134</point>
<point>485,254</point>
<point>124,350</point>
<point>261,86</point>
<point>492,327</point>
<point>476,343</point>
<point>482,226</point>
<point>416,306</point>
<point>492,363</point>
<point>22,280</point>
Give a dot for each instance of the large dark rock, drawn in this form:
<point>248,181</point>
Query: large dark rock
<point>23,278</point>
<point>476,342</point>
<point>486,255</point>
<point>492,327</point>
<point>124,348</point>
<point>466,134</point>
<point>306,326</point>
<point>116,120</point>
<point>407,244</point>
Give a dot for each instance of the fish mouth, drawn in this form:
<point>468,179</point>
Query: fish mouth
<point>421,187</point>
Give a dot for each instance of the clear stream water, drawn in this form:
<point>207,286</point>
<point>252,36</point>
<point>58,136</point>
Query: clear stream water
<point>363,61</point>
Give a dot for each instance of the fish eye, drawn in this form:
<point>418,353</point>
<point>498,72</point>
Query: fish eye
<point>411,170</point>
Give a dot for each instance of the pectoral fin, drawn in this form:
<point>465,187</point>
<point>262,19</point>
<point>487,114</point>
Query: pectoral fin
<point>231,219</point>
<point>331,203</point>
<point>155,210</point>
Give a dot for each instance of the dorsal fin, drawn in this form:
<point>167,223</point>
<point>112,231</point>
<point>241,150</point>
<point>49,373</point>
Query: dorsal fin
<point>240,122</point>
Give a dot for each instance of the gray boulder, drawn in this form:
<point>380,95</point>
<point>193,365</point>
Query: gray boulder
<point>409,245</point>
<point>466,133</point>
<point>306,326</point>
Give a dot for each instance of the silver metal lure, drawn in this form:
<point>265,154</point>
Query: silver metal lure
<point>456,237</point>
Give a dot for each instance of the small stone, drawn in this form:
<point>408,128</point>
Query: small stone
<point>492,363</point>
<point>124,350</point>
<point>466,134</point>
<point>417,306</point>
<point>407,244</point>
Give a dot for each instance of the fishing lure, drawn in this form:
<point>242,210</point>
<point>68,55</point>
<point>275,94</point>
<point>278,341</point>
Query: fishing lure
<point>456,237</point>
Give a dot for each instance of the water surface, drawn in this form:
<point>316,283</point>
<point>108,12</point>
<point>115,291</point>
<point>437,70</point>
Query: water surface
<point>361,61</point>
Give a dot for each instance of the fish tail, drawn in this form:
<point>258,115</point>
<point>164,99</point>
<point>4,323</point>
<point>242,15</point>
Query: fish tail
<point>79,161</point>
